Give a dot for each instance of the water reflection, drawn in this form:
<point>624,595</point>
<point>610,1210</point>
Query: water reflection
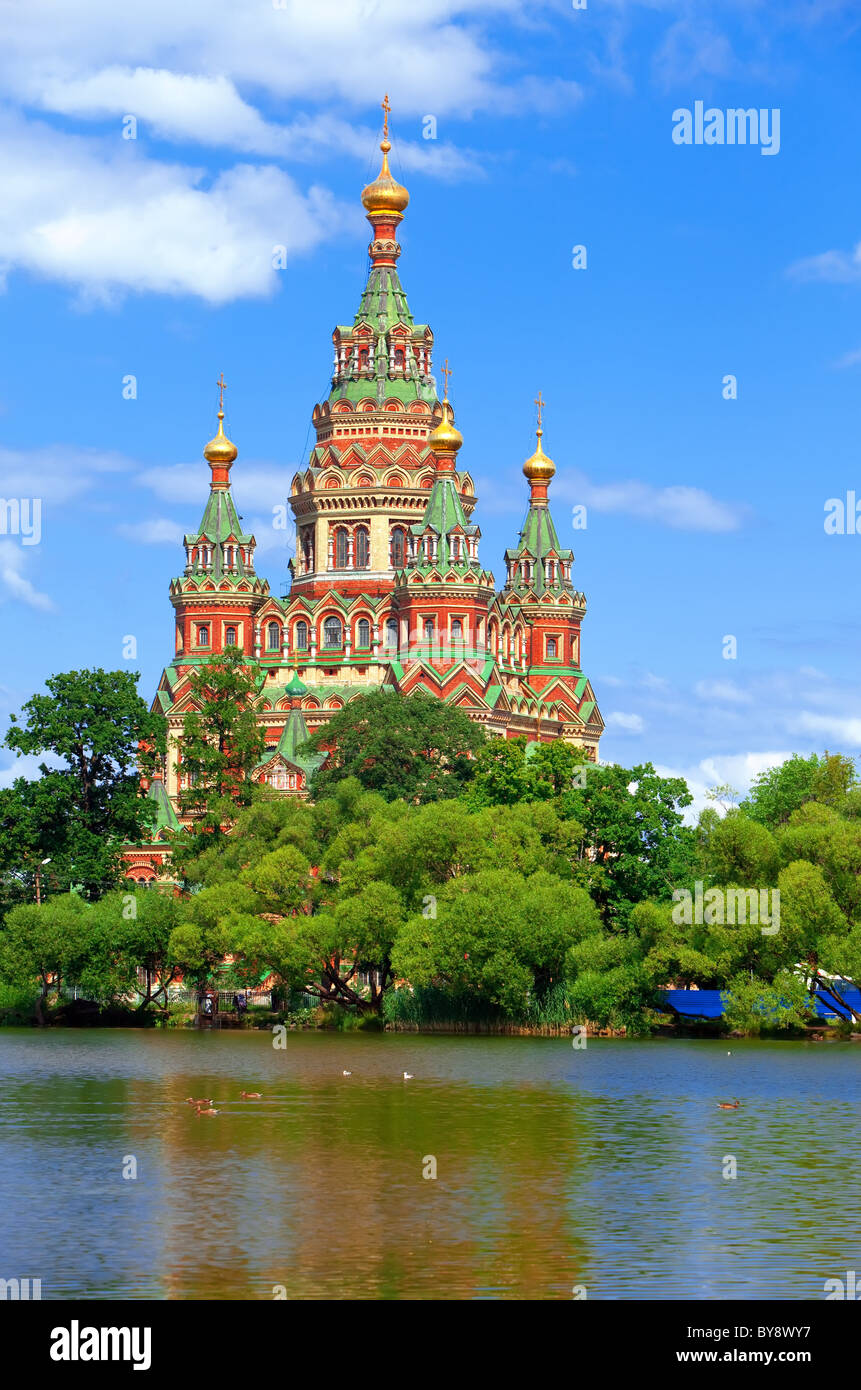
<point>602,1168</point>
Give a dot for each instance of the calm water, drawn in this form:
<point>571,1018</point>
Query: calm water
<point>556,1167</point>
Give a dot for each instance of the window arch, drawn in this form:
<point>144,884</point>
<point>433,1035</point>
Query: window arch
<point>551,646</point>
<point>333,634</point>
<point>341,548</point>
<point>456,630</point>
<point>230,637</point>
<point>203,636</point>
<point>363,548</point>
<point>400,359</point>
<point>364,633</point>
<point>273,637</point>
<point>301,636</point>
<point>427,629</point>
<point>391,634</point>
<point>398,547</point>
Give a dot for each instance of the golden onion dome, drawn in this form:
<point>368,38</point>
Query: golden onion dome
<point>220,449</point>
<point>445,438</point>
<point>385,194</point>
<point>539,468</point>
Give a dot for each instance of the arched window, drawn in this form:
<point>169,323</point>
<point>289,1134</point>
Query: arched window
<point>230,637</point>
<point>273,637</point>
<point>302,636</point>
<point>400,359</point>
<point>427,628</point>
<point>391,634</point>
<point>228,556</point>
<point>341,549</point>
<point>456,630</point>
<point>398,539</point>
<point>363,358</point>
<point>308,550</point>
<point>333,633</point>
<point>203,636</point>
<point>364,633</point>
<point>363,548</point>
<point>551,646</point>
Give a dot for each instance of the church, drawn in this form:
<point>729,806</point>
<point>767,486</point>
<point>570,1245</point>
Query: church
<point>387,588</point>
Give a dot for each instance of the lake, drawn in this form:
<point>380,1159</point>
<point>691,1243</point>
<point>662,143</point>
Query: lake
<point>557,1168</point>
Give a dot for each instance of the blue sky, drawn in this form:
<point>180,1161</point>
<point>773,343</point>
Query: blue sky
<point>258,125</point>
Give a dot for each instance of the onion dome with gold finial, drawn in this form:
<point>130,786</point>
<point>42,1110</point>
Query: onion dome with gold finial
<point>538,468</point>
<point>445,437</point>
<point>220,451</point>
<point>385,194</point>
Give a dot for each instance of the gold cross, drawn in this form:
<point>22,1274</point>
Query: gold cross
<point>446,371</point>
<point>541,404</point>
<point>221,383</point>
<point>386,108</point>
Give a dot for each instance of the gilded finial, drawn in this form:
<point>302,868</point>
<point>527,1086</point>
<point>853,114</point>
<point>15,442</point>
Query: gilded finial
<point>446,371</point>
<point>445,438</point>
<point>220,451</point>
<point>385,194</point>
<point>539,468</point>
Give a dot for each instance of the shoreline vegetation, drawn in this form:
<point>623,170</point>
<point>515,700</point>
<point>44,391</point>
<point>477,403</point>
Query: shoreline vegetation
<point>435,880</point>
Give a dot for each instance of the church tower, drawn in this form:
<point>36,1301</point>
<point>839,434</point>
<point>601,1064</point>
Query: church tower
<point>387,590</point>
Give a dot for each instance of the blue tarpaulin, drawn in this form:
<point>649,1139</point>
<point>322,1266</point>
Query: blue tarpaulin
<point>706,1003</point>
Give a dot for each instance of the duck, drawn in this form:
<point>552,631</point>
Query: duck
<point>408,1076</point>
<point>251,1095</point>
<point>729,1104</point>
<point>346,1073</point>
<point>204,1100</point>
<point>207,1110</point>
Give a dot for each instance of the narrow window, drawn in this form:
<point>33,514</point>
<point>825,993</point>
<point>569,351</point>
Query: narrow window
<point>230,636</point>
<point>364,633</point>
<point>363,549</point>
<point>341,549</point>
<point>273,637</point>
<point>203,636</point>
<point>391,634</point>
<point>301,636</point>
<point>332,633</point>
<point>551,646</point>
<point>398,548</point>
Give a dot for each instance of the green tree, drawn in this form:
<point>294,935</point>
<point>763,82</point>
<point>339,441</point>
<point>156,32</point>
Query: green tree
<point>100,737</point>
<point>41,947</point>
<point>415,747</point>
<point>220,745</point>
<point>498,936</point>
<point>778,791</point>
<point>753,1006</point>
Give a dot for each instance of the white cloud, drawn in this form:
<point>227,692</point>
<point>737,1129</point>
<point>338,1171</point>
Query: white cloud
<point>737,769</point>
<point>624,723</point>
<point>158,531</point>
<point>25,766</point>
<point>845,730</point>
<point>834,267</point>
<point>101,216</point>
<point>682,508</point>
<point>724,691</point>
<point>13,560</point>
<point>46,472</point>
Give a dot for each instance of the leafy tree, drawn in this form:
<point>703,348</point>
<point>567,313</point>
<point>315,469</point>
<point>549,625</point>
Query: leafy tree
<point>96,726</point>
<point>498,936</point>
<point>741,851</point>
<point>753,1006</point>
<point>40,947</point>
<point>509,771</point>
<point>220,745</point>
<point>632,832</point>
<point>30,833</point>
<point>414,747</point>
<point>778,791</point>
<point>608,983</point>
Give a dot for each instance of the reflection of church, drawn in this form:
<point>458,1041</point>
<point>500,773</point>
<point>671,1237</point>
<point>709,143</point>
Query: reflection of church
<point>387,588</point>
